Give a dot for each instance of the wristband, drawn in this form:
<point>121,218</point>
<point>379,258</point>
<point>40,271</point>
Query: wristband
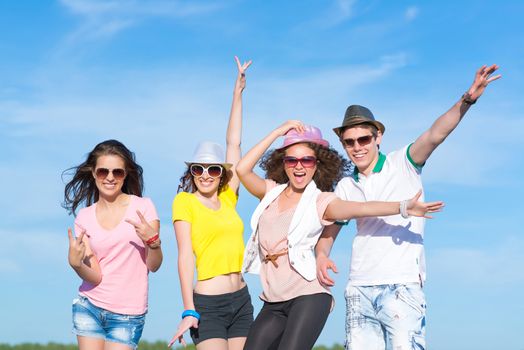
<point>152,239</point>
<point>467,99</point>
<point>191,313</point>
<point>404,209</point>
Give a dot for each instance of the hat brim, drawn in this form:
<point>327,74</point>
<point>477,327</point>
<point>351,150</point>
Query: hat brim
<point>360,121</point>
<point>226,166</point>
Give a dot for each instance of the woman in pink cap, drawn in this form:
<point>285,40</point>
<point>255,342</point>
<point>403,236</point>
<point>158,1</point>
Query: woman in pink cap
<point>296,203</point>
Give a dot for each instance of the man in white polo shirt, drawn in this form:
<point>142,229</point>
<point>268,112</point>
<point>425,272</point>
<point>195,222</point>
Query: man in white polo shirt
<point>385,303</point>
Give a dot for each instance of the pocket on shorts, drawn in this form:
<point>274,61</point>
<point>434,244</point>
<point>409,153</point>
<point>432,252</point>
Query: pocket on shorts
<point>412,295</point>
<point>85,317</point>
<point>80,303</point>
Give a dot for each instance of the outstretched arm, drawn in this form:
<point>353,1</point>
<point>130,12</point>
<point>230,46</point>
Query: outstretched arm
<point>446,123</point>
<point>234,127</point>
<point>339,209</point>
<point>322,250</point>
<point>254,183</point>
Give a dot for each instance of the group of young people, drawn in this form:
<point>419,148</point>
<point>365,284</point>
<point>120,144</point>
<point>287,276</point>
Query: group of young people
<point>116,240</point>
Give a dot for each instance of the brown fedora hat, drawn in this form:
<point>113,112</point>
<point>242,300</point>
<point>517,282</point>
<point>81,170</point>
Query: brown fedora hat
<point>357,115</point>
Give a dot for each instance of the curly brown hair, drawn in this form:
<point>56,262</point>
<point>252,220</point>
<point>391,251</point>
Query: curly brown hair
<point>331,166</point>
<point>187,182</point>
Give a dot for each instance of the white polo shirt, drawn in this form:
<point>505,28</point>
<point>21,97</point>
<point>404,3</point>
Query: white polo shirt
<point>386,249</point>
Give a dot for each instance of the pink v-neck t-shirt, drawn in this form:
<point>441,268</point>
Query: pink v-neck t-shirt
<point>121,255</point>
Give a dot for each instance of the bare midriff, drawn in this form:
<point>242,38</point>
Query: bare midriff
<point>222,284</point>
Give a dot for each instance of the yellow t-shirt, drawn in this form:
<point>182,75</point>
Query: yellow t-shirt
<point>216,235</point>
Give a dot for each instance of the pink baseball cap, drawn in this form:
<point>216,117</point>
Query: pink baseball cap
<point>311,134</point>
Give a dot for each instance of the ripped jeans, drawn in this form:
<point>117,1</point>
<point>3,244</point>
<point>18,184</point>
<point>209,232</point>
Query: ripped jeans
<point>390,316</point>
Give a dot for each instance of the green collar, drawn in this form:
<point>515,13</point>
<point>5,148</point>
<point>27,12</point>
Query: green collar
<point>377,169</point>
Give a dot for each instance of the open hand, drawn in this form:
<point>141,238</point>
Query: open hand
<point>482,78</point>
<point>187,322</point>
<point>416,208</point>
<point>323,264</point>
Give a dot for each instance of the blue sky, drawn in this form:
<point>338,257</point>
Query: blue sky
<point>158,75</point>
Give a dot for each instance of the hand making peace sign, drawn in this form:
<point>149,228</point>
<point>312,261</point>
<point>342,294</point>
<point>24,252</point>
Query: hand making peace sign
<point>240,84</point>
<point>143,229</point>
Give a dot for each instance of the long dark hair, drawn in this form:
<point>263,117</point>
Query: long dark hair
<point>187,181</point>
<point>82,187</point>
<point>331,167</point>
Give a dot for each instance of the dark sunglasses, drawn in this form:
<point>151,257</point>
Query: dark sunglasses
<point>307,162</point>
<point>362,141</point>
<point>212,170</point>
<point>102,173</point>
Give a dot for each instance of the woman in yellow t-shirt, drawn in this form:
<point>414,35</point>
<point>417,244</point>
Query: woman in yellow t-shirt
<point>217,310</point>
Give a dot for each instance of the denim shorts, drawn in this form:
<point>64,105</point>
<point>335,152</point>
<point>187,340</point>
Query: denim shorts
<point>222,316</point>
<point>389,316</point>
<point>94,322</point>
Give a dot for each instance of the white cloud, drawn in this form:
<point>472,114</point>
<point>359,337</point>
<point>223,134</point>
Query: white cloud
<point>167,100</point>
<point>339,11</point>
<point>345,7</point>
<point>106,18</point>
<point>411,13</point>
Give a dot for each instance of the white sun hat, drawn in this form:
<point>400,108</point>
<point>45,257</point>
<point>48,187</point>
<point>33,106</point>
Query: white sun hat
<point>208,152</point>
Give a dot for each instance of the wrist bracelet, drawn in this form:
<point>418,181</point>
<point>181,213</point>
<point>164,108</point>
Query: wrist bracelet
<point>152,239</point>
<point>404,209</point>
<point>467,99</point>
<point>191,313</point>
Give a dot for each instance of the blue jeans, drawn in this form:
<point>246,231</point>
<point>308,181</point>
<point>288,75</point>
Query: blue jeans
<point>94,322</point>
<point>390,316</point>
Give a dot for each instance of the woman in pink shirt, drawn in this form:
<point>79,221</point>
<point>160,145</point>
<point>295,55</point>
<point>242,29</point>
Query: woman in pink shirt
<point>115,245</point>
<point>296,203</point>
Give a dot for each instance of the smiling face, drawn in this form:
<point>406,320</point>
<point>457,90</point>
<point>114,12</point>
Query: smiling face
<point>108,175</point>
<point>205,183</point>
<point>299,175</point>
<point>360,148</point>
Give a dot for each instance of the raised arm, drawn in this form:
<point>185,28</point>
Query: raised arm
<point>446,123</point>
<point>251,181</point>
<point>234,127</point>
<point>339,209</point>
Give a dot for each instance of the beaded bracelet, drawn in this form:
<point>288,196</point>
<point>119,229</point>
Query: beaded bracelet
<point>191,313</point>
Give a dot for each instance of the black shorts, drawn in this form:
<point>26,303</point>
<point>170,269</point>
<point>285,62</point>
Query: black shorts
<point>222,316</point>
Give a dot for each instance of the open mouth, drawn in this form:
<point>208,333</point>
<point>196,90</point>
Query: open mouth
<point>300,176</point>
